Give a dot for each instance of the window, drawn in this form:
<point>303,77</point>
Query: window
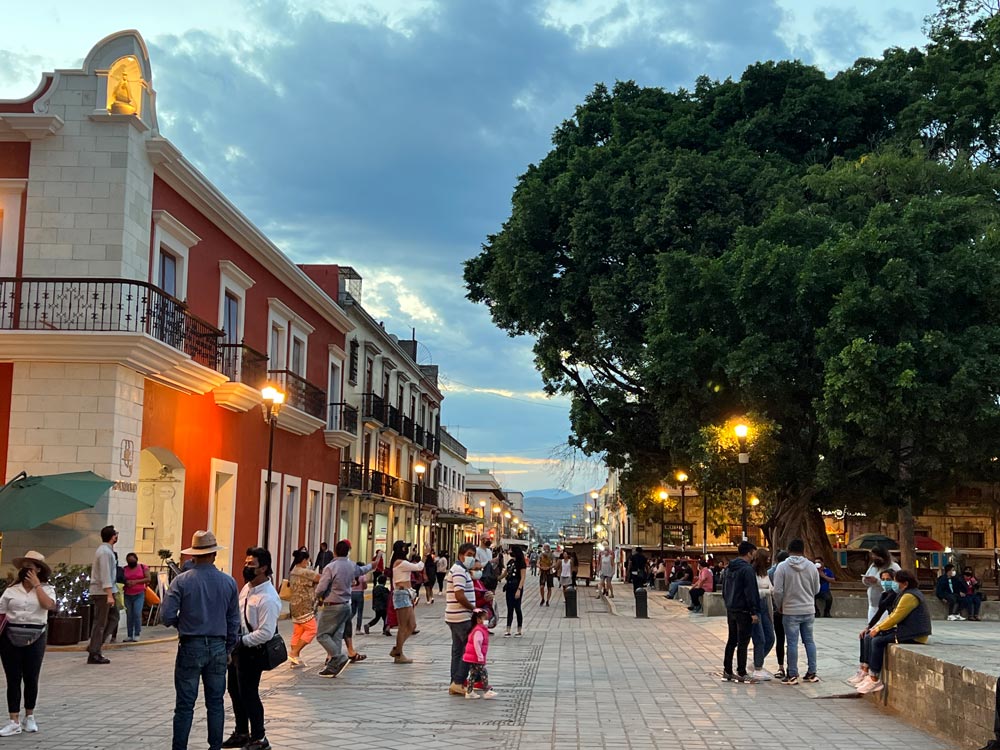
<point>382,458</point>
<point>352,374</point>
<point>967,539</point>
<point>276,348</point>
<point>231,318</point>
<point>385,386</point>
<point>11,192</point>
<point>298,357</point>
<point>399,400</point>
<point>168,273</point>
<point>369,374</point>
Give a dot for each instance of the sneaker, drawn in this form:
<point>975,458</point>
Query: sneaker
<point>387,633</point>
<point>98,660</point>
<point>12,728</point>
<point>762,675</point>
<point>129,640</point>
<point>339,668</point>
<point>472,695</point>
<point>952,618</point>
<point>870,686</point>
<point>507,634</point>
<point>810,677</point>
<point>960,618</point>
<point>490,694</point>
<point>366,629</point>
<point>454,689</point>
<point>518,634</point>
<point>780,674</point>
<point>28,724</point>
<point>237,740</point>
<point>790,679</point>
<point>261,744</point>
<point>857,677</point>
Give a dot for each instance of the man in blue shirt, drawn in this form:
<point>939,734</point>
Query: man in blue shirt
<point>824,599</point>
<point>203,604</point>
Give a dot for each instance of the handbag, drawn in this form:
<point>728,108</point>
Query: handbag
<point>23,635</point>
<point>271,654</point>
<point>285,592</point>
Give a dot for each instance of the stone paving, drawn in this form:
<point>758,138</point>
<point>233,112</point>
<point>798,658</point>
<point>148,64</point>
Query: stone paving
<point>600,681</point>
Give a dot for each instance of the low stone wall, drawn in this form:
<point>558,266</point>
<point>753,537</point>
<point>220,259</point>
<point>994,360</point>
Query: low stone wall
<point>933,688</point>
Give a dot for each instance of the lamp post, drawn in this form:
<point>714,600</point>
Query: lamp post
<point>420,469</point>
<point>682,480</point>
<point>496,522</point>
<point>663,501</point>
<point>507,517</point>
<point>741,431</point>
<point>273,399</point>
<point>482,513</point>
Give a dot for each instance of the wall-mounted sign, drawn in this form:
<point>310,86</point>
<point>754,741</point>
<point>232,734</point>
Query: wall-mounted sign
<point>126,458</point>
<point>125,486</point>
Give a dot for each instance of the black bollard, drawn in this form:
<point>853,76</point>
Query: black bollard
<point>569,594</point>
<point>641,605</point>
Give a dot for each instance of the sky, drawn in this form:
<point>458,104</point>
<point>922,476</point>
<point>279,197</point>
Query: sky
<point>388,135</point>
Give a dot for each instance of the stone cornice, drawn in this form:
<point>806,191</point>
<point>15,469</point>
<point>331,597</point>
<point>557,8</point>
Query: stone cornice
<point>29,126</point>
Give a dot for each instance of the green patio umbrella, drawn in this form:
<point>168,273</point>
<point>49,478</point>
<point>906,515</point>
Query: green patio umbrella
<point>28,502</point>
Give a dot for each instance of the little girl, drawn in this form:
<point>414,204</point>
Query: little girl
<point>475,656</point>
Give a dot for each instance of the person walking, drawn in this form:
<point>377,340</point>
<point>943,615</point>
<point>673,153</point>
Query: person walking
<point>763,630</point>
<point>103,585</point>
<point>26,604</point>
<point>441,566</point>
<point>533,562</point>
<point>607,572</point>
<point>779,626</point>
<point>302,580</point>
<point>475,656</point>
<point>403,571</point>
<point>460,601</point>
<point>514,578</point>
<point>545,563</point>
<point>824,599</point>
<point>380,605</point>
<point>324,557</point>
<point>796,584</point>
<point>259,610</point>
<point>881,559</point>
<point>136,580</point>
<point>203,604</point>
<point>334,589</point>
<point>430,574</point>
<point>565,572</point>
<point>739,591</point>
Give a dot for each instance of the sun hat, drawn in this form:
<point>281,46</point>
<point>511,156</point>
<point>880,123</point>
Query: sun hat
<point>202,543</point>
<point>36,557</point>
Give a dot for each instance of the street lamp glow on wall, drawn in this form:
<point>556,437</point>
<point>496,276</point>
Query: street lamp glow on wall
<point>273,397</point>
<point>420,469</point>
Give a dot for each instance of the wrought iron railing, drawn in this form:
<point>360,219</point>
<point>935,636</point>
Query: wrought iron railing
<point>393,419</point>
<point>418,434</point>
<point>445,439</point>
<point>300,393</point>
<point>354,476</point>
<point>241,364</point>
<point>407,427</point>
<point>426,495</point>
<point>107,306</point>
<point>373,407</point>
<point>344,417</point>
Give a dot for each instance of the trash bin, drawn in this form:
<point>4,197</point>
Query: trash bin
<point>641,604</point>
<point>569,594</point>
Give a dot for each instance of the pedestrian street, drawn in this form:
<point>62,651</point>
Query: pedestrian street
<point>600,681</point>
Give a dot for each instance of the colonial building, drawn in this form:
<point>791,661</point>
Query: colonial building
<point>456,518</point>
<point>140,315</point>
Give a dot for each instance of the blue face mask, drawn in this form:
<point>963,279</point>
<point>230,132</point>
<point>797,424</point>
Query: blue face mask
<point>887,585</point>
<point>894,586</point>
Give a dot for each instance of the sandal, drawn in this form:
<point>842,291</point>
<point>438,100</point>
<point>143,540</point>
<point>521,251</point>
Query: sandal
<point>358,657</point>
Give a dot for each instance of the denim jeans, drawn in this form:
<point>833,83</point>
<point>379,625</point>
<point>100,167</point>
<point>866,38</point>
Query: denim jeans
<point>358,607</point>
<point>796,625</point>
<point>763,635</point>
<point>674,585</point>
<point>133,613</point>
<point>333,618</point>
<point>204,659</point>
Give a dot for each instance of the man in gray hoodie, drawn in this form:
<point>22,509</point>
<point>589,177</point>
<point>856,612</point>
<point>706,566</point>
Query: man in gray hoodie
<point>796,583</point>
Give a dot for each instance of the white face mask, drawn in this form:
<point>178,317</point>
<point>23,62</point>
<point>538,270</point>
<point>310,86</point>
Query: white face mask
<point>469,561</point>
<point>477,574</point>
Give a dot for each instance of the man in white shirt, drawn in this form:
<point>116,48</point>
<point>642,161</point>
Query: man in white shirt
<point>103,585</point>
<point>483,553</point>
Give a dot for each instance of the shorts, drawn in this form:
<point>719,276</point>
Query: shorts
<point>401,599</point>
<point>303,632</point>
<point>606,579</point>
<point>545,580</point>
<point>566,581</point>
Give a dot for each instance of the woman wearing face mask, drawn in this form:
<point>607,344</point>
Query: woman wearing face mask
<point>259,610</point>
<point>881,560</point>
<point>886,602</point>
<point>973,599</point>
<point>136,580</point>
<point>26,604</point>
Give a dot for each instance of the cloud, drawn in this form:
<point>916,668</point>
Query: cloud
<point>513,460</point>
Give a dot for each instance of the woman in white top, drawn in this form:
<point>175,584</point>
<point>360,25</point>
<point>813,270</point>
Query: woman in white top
<point>402,602</point>
<point>26,605</point>
<point>763,630</point>
<point>881,560</point>
<point>565,571</point>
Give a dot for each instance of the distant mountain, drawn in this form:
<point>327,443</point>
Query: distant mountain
<point>554,493</point>
<point>548,510</point>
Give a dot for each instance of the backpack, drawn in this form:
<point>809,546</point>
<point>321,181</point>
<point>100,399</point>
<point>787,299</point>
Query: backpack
<point>490,577</point>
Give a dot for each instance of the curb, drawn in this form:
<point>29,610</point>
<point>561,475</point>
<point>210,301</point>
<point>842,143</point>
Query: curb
<point>112,646</point>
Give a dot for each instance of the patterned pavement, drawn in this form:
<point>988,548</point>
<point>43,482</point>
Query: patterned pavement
<point>600,681</point>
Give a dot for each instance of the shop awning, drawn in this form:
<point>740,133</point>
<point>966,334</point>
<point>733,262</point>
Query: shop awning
<point>456,519</point>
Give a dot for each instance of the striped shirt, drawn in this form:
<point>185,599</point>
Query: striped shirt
<point>458,578</point>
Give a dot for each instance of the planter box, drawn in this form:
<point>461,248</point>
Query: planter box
<point>65,631</point>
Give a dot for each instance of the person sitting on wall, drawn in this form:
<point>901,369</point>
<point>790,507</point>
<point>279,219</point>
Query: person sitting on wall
<point>950,589</point>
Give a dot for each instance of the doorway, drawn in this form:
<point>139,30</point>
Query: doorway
<point>159,517</point>
<point>222,509</point>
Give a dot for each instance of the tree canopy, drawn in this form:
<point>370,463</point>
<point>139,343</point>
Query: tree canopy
<point>821,252</point>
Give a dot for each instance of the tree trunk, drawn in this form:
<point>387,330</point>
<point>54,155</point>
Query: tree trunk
<point>795,517</point>
<point>907,556</point>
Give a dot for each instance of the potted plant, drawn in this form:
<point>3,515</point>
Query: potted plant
<point>72,585</point>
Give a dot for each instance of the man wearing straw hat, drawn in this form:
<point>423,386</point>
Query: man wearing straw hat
<point>203,604</point>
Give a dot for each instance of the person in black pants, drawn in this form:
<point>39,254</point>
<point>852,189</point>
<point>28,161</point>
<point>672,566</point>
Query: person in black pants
<point>638,569</point>
<point>514,577</point>
<point>739,590</point>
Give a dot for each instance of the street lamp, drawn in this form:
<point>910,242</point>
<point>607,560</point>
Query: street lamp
<point>273,399</point>
<point>682,480</point>
<point>496,522</point>
<point>420,469</point>
<point>663,501</point>
<point>741,431</point>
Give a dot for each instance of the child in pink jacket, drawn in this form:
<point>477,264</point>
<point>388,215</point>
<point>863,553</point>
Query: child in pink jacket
<point>475,656</point>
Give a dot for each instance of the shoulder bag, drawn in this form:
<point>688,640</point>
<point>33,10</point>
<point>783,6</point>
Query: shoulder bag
<point>271,654</point>
<point>285,592</point>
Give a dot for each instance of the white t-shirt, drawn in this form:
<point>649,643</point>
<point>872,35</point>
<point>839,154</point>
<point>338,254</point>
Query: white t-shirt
<point>22,607</point>
<point>566,569</point>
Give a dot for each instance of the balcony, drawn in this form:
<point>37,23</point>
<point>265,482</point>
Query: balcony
<point>393,419</point>
<point>341,425</point>
<point>373,409</point>
<point>407,428</point>
<point>425,495</point>
<point>246,369</point>
<point>119,321</point>
<point>304,411</point>
<point>418,434</point>
<point>354,476</point>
